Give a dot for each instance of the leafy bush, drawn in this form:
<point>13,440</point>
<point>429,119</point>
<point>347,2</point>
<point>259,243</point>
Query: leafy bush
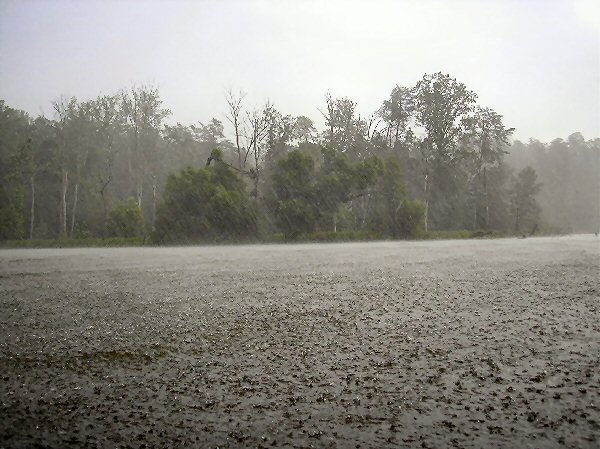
<point>126,220</point>
<point>81,231</point>
<point>206,204</point>
<point>411,217</point>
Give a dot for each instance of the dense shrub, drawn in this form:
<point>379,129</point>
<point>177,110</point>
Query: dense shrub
<point>206,204</point>
<point>125,220</point>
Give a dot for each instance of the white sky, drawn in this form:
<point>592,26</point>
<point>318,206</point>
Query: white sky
<point>536,62</point>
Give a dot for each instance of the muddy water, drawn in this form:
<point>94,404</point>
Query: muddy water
<point>395,344</point>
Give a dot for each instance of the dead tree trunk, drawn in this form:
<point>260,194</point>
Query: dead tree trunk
<point>486,200</point>
<point>139,193</point>
<point>153,202</point>
<point>63,203</point>
<point>426,213</point>
<point>32,213</point>
<point>103,186</point>
<point>74,210</point>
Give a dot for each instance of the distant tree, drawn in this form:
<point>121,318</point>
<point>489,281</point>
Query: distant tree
<point>294,201</point>
<point>109,125</point>
<point>236,118</point>
<point>394,214</point>
<point>524,206</point>
<point>211,133</point>
<point>252,130</point>
<point>442,107</point>
<point>397,112</point>
<point>307,198</point>
<point>485,142</point>
<point>205,204</point>
<point>341,181</point>
<point>569,199</point>
<point>12,197</point>
<point>346,131</point>
<point>44,179</point>
<point>281,130</point>
<point>304,129</point>
<point>144,116</point>
<point>16,165</point>
<point>67,136</point>
<point>126,220</point>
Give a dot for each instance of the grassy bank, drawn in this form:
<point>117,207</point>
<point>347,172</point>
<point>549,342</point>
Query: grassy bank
<point>343,236</point>
<point>73,243</point>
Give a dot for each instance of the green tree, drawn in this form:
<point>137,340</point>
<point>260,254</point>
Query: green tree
<point>107,137</point>
<point>524,206</point>
<point>394,214</point>
<point>346,131</point>
<point>442,107</point>
<point>397,112</point>
<point>16,164</point>
<point>205,204</point>
<point>485,144</point>
<point>12,196</point>
<point>307,199</point>
<point>126,220</point>
<point>294,203</point>
<point>144,116</point>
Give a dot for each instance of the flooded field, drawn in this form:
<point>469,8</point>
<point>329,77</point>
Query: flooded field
<point>492,343</point>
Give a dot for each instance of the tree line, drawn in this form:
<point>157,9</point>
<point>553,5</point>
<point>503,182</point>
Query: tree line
<point>429,159</point>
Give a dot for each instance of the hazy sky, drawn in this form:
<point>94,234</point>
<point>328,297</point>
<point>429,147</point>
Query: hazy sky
<point>535,62</point>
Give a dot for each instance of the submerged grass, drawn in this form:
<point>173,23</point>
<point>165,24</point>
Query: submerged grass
<point>80,362</point>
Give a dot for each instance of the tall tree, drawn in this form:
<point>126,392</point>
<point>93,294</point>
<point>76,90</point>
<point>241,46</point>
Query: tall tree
<point>236,118</point>
<point>485,143</point>
<point>144,116</point>
<point>524,206</point>
<point>294,194</point>
<point>109,126</point>
<point>442,107</point>
<point>15,162</point>
<point>68,138</point>
<point>397,113</point>
<point>346,131</point>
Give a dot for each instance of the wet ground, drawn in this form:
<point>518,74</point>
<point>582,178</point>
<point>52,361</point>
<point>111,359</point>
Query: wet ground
<point>492,343</point>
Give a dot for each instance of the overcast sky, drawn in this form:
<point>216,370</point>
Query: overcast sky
<point>535,62</point>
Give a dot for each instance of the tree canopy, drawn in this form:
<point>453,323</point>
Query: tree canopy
<point>430,158</point>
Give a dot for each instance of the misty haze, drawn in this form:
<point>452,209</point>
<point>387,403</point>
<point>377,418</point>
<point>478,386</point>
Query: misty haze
<point>310,224</point>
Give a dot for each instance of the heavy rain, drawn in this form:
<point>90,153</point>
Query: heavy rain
<point>314,224</point>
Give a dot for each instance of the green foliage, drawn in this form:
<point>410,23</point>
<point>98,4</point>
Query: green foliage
<point>11,213</point>
<point>16,164</point>
<point>296,216</point>
<point>443,235</point>
<point>207,204</point>
<point>523,203</point>
<point>294,204</point>
<point>217,154</point>
<point>306,200</point>
<point>87,242</point>
<point>429,144</point>
<point>81,231</point>
<point>326,236</point>
<point>125,220</point>
<point>394,214</point>
<point>411,216</point>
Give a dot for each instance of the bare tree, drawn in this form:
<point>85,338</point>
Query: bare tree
<point>251,130</point>
<point>65,111</point>
<point>234,116</point>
